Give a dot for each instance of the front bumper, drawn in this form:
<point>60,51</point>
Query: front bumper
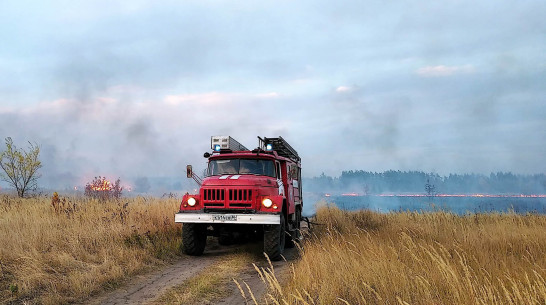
<point>266,219</point>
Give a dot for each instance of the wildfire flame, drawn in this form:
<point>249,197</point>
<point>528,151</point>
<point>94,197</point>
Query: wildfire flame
<point>105,185</point>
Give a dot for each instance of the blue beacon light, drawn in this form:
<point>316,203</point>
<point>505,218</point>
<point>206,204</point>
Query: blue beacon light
<point>217,147</point>
<point>269,147</point>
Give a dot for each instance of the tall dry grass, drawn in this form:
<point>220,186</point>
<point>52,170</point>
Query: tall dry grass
<point>418,258</point>
<point>83,246</point>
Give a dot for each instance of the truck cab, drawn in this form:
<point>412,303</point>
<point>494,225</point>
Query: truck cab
<point>245,194</point>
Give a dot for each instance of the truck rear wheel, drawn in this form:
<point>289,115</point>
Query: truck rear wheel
<point>294,236</point>
<point>194,238</point>
<point>274,239</point>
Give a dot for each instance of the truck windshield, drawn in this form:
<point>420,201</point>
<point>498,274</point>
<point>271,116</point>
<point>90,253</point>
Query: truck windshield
<point>241,167</point>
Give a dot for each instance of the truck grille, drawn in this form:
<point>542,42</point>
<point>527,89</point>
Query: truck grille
<point>236,198</point>
<point>240,198</point>
<point>214,197</point>
<point>240,195</point>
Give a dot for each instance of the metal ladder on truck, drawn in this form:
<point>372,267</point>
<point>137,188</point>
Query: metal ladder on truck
<point>282,148</point>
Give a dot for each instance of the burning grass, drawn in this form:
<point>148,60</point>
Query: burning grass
<point>418,258</point>
<point>80,246</point>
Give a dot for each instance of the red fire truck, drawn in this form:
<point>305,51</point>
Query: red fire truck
<point>245,194</point>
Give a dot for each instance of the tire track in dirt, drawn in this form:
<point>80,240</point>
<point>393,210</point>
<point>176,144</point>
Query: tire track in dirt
<point>147,287</point>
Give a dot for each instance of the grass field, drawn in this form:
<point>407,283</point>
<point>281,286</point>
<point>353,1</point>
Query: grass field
<point>67,254</point>
<point>56,255</point>
<point>418,258</point>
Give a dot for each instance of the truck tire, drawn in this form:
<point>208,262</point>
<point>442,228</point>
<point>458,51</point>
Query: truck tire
<point>274,240</point>
<point>292,237</point>
<point>194,238</point>
<point>289,241</point>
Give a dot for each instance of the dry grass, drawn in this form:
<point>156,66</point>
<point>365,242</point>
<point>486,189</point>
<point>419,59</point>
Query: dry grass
<point>418,258</point>
<point>56,256</point>
<point>83,246</point>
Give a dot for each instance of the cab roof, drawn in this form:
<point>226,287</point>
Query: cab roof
<point>249,154</point>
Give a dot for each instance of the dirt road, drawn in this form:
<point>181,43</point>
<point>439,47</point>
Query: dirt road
<point>146,288</point>
<point>251,277</point>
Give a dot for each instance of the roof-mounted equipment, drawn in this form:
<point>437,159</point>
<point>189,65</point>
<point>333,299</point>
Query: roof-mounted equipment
<point>280,146</point>
<point>218,143</point>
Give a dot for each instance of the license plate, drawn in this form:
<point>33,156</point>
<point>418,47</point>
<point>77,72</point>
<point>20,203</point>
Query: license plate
<point>224,217</point>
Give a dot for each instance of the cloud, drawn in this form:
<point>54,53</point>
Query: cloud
<point>216,98</point>
<point>210,98</point>
<point>140,88</point>
<point>441,70</point>
<point>343,89</point>
<point>268,95</point>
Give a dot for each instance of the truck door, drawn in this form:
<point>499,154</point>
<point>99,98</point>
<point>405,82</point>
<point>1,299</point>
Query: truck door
<point>279,179</point>
<point>285,166</point>
<point>289,183</point>
<point>296,184</point>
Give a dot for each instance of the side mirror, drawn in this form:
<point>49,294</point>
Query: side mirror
<point>189,171</point>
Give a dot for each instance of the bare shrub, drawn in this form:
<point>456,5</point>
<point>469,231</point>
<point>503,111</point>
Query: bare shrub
<point>102,189</point>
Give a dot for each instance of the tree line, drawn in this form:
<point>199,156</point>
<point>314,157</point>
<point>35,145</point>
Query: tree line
<point>393,181</point>
<point>19,168</point>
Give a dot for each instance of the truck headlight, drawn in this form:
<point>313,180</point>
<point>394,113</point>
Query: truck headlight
<point>192,201</point>
<point>267,202</point>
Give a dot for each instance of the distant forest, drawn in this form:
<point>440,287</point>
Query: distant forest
<point>364,182</point>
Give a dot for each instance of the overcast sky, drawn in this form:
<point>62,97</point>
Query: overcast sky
<point>136,88</point>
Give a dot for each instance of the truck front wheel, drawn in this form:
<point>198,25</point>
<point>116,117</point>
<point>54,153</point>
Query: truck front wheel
<point>194,238</point>
<point>274,239</point>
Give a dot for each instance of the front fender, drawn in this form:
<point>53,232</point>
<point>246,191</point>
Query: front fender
<point>184,203</point>
<point>277,204</point>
